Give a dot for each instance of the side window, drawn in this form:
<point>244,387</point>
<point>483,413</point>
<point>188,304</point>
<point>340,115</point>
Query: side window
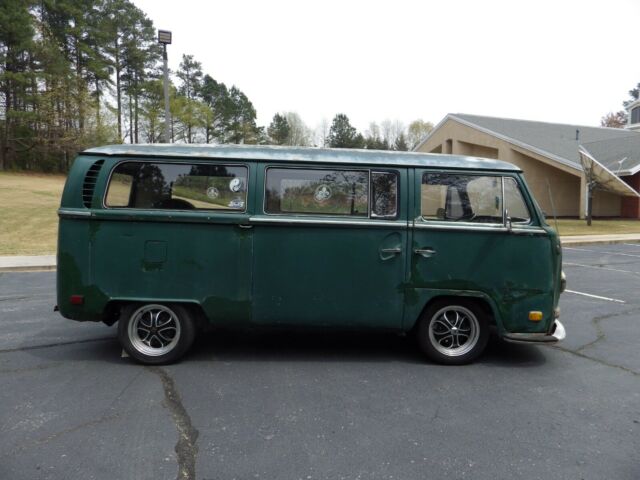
<point>384,194</point>
<point>461,198</point>
<point>514,202</point>
<point>119,192</point>
<point>173,186</point>
<point>317,191</point>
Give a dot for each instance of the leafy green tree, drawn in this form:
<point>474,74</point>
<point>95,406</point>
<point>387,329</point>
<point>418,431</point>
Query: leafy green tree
<point>241,126</point>
<point>152,111</point>
<point>216,96</point>
<point>190,75</point>
<point>343,135</point>
<point>141,54</point>
<point>417,131</point>
<point>279,130</point>
<point>16,35</point>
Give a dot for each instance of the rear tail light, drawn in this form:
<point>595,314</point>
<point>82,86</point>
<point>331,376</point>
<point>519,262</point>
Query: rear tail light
<point>77,299</point>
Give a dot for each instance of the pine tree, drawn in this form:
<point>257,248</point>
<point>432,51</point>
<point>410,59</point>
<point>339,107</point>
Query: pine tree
<point>343,135</point>
<point>279,130</point>
<point>401,143</point>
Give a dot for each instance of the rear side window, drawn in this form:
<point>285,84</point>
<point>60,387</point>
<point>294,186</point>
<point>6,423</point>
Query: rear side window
<point>317,191</point>
<point>173,186</point>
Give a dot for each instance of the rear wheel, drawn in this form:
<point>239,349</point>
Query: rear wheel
<point>156,334</point>
<point>453,331</point>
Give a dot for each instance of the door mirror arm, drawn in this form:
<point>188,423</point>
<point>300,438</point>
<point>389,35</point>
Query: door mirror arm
<point>507,221</point>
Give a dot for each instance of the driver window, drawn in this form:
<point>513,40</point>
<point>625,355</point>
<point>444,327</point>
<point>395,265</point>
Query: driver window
<point>461,198</point>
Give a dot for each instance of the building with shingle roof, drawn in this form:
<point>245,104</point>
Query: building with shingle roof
<point>552,156</point>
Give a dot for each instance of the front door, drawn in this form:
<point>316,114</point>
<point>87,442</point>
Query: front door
<point>330,247</point>
<point>461,244</point>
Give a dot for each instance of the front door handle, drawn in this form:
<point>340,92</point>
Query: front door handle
<point>245,225</point>
<point>393,251</point>
<point>425,252</point>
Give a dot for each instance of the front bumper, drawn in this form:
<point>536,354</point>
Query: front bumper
<point>558,333</point>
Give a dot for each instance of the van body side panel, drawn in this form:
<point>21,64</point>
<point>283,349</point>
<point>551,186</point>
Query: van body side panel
<point>328,276</point>
<point>126,254</point>
<point>511,269</point>
<point>329,271</point>
<point>205,263</point>
<point>74,272</point>
<point>514,269</point>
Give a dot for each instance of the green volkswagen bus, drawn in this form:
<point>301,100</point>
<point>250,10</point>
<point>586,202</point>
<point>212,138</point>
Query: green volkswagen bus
<point>168,239</point>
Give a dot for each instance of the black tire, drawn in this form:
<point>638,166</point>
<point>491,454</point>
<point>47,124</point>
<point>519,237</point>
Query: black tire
<point>156,334</point>
<point>453,331</point>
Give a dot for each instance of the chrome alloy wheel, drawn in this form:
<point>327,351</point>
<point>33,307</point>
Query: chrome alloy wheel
<point>454,331</point>
<point>154,330</point>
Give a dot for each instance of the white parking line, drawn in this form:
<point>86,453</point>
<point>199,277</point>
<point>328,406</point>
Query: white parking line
<point>599,268</point>
<point>596,296</point>
<point>599,251</point>
<point>632,244</point>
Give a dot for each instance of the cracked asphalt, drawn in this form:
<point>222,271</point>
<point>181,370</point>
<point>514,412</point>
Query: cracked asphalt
<point>326,406</point>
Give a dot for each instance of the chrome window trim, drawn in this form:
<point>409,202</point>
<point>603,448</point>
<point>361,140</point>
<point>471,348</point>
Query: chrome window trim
<point>486,174</point>
<point>490,227</point>
<point>71,213</point>
<point>195,210</point>
<point>281,219</point>
<point>519,189</point>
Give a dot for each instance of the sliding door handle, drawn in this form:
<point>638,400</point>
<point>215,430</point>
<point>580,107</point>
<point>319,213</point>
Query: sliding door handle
<point>425,252</point>
<point>245,225</point>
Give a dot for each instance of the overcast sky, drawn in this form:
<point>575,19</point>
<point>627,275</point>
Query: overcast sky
<point>549,60</point>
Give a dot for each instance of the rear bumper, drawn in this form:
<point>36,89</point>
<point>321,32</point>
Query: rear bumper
<point>558,333</point>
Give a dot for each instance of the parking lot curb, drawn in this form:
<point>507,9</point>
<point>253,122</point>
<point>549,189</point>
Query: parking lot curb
<point>27,263</point>
<point>606,240</point>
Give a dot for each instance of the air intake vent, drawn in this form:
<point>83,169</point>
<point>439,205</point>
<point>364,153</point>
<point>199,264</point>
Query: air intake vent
<point>89,184</point>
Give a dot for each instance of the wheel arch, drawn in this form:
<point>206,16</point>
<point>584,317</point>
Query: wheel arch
<point>114,307</point>
<point>482,300</point>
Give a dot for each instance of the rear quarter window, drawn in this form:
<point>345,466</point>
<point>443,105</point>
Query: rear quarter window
<point>173,186</point>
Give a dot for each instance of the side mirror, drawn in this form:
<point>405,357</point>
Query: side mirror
<point>507,221</point>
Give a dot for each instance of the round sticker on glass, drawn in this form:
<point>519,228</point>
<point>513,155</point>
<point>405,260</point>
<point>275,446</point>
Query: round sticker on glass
<point>235,185</point>
<point>322,193</point>
<point>212,192</point>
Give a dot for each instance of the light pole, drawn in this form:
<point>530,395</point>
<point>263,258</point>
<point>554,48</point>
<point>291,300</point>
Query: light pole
<point>164,37</point>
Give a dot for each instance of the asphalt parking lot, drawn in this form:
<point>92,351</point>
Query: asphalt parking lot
<point>308,406</point>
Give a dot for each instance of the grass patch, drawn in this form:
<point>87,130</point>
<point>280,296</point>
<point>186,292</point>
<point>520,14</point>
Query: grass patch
<point>598,227</point>
<point>28,218</point>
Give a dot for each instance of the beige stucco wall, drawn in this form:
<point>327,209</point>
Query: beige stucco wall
<point>541,177</point>
<point>606,204</point>
<point>541,172</point>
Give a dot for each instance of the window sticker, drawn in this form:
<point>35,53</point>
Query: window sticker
<point>235,185</point>
<point>213,192</point>
<point>322,193</point>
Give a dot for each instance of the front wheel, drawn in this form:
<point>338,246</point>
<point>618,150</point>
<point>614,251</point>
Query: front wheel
<point>155,334</point>
<point>453,332</point>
